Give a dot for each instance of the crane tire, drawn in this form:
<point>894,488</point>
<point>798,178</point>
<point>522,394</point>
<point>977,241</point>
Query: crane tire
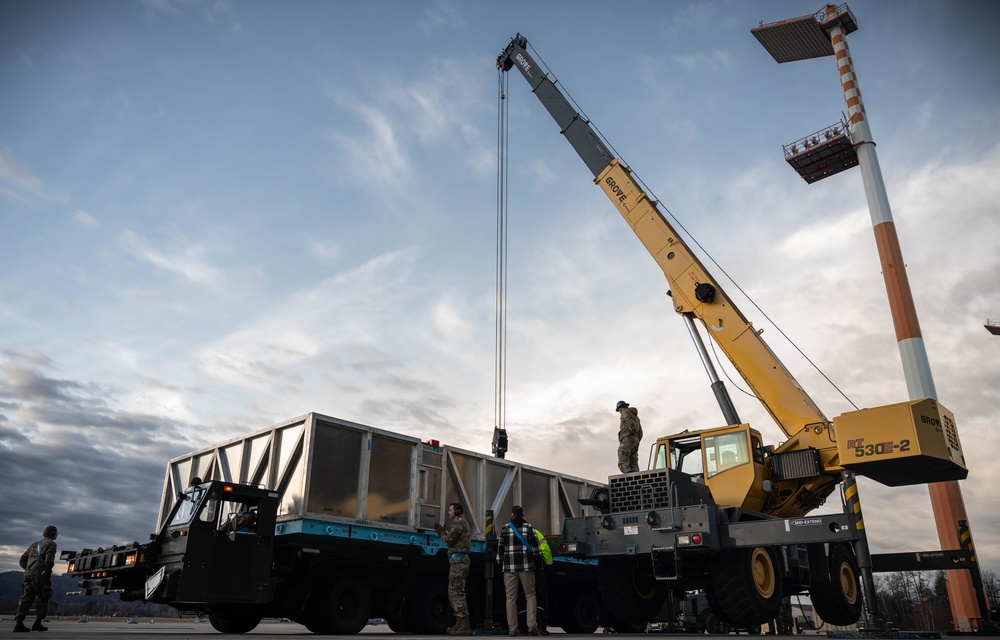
<point>839,601</point>
<point>746,586</point>
<point>630,593</point>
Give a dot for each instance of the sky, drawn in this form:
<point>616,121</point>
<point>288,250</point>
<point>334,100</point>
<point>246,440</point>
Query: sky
<point>216,216</point>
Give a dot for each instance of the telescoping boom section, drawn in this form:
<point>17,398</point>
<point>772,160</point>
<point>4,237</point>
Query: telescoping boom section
<point>911,442</point>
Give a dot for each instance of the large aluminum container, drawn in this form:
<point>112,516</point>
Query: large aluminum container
<point>328,469</point>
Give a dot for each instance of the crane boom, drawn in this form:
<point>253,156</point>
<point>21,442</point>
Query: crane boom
<point>693,289</point>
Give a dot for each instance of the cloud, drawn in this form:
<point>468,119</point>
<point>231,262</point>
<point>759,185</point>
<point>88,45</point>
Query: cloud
<point>441,14</point>
<point>541,172</point>
<point>213,11</point>
<point>188,263</point>
<point>19,184</point>
<point>168,7</point>
<point>86,219</point>
<point>68,457</point>
<point>714,61</point>
<point>26,57</point>
<point>378,159</point>
<point>438,107</point>
<point>311,322</point>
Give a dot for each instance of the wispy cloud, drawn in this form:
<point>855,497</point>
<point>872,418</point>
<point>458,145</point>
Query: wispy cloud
<point>438,107</point>
<point>167,7</point>
<point>187,263</point>
<point>441,14</point>
<point>378,159</point>
<point>18,183</point>
<point>86,219</point>
<point>309,323</point>
<point>700,61</point>
<point>213,11</point>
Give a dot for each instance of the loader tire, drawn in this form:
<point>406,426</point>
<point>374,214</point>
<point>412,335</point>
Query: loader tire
<point>342,609</point>
<point>629,591</point>
<point>746,587</point>
<point>234,620</point>
<point>431,612</point>
<point>839,601</point>
<point>580,612</point>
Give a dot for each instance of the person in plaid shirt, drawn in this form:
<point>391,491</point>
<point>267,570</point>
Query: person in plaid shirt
<point>517,554</point>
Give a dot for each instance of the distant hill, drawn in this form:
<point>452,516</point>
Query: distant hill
<point>62,604</point>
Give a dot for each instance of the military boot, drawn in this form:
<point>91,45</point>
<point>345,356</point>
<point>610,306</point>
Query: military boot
<point>19,626</point>
<point>38,626</point>
<point>461,627</point>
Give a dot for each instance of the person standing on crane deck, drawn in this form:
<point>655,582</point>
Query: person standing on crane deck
<point>38,560</point>
<point>458,537</point>
<point>629,435</point>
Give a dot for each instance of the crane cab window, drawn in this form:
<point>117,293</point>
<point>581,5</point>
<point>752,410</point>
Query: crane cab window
<point>726,451</point>
<point>660,459</point>
<point>682,454</point>
<point>758,449</point>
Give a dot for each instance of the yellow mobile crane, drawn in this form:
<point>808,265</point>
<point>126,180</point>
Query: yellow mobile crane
<point>720,510</point>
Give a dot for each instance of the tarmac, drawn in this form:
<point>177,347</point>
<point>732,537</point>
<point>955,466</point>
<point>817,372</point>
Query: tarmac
<point>163,628</point>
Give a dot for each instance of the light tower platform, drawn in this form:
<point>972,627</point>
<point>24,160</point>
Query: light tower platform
<point>822,154</point>
<point>830,150</point>
<point>805,37</point>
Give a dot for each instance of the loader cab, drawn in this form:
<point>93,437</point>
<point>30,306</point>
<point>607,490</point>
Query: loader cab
<point>729,460</point>
<point>210,552</point>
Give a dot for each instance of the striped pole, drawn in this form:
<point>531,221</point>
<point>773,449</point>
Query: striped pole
<point>965,537</point>
<point>852,504</point>
<point>946,497</point>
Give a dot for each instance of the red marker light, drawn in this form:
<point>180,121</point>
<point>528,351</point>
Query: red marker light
<point>696,538</point>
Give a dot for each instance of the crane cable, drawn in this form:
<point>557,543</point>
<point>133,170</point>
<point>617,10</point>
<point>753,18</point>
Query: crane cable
<point>500,348</point>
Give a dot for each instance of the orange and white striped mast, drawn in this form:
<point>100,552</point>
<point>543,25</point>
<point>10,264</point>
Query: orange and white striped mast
<point>796,40</point>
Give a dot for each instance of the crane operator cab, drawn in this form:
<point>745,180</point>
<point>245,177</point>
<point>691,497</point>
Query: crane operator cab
<point>729,460</point>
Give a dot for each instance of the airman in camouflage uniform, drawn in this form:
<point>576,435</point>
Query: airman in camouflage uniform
<point>458,537</point>
<point>37,561</point>
<point>629,435</point>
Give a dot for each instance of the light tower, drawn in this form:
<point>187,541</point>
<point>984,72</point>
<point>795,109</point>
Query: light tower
<point>832,150</point>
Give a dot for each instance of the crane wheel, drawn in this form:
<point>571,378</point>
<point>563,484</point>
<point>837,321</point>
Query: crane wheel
<point>629,590</point>
<point>746,586</point>
<point>839,601</point>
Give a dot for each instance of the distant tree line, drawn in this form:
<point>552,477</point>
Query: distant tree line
<point>66,605</point>
<point>919,600</point>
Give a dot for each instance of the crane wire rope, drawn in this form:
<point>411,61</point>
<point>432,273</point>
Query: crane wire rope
<point>500,335</point>
<point>653,197</point>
